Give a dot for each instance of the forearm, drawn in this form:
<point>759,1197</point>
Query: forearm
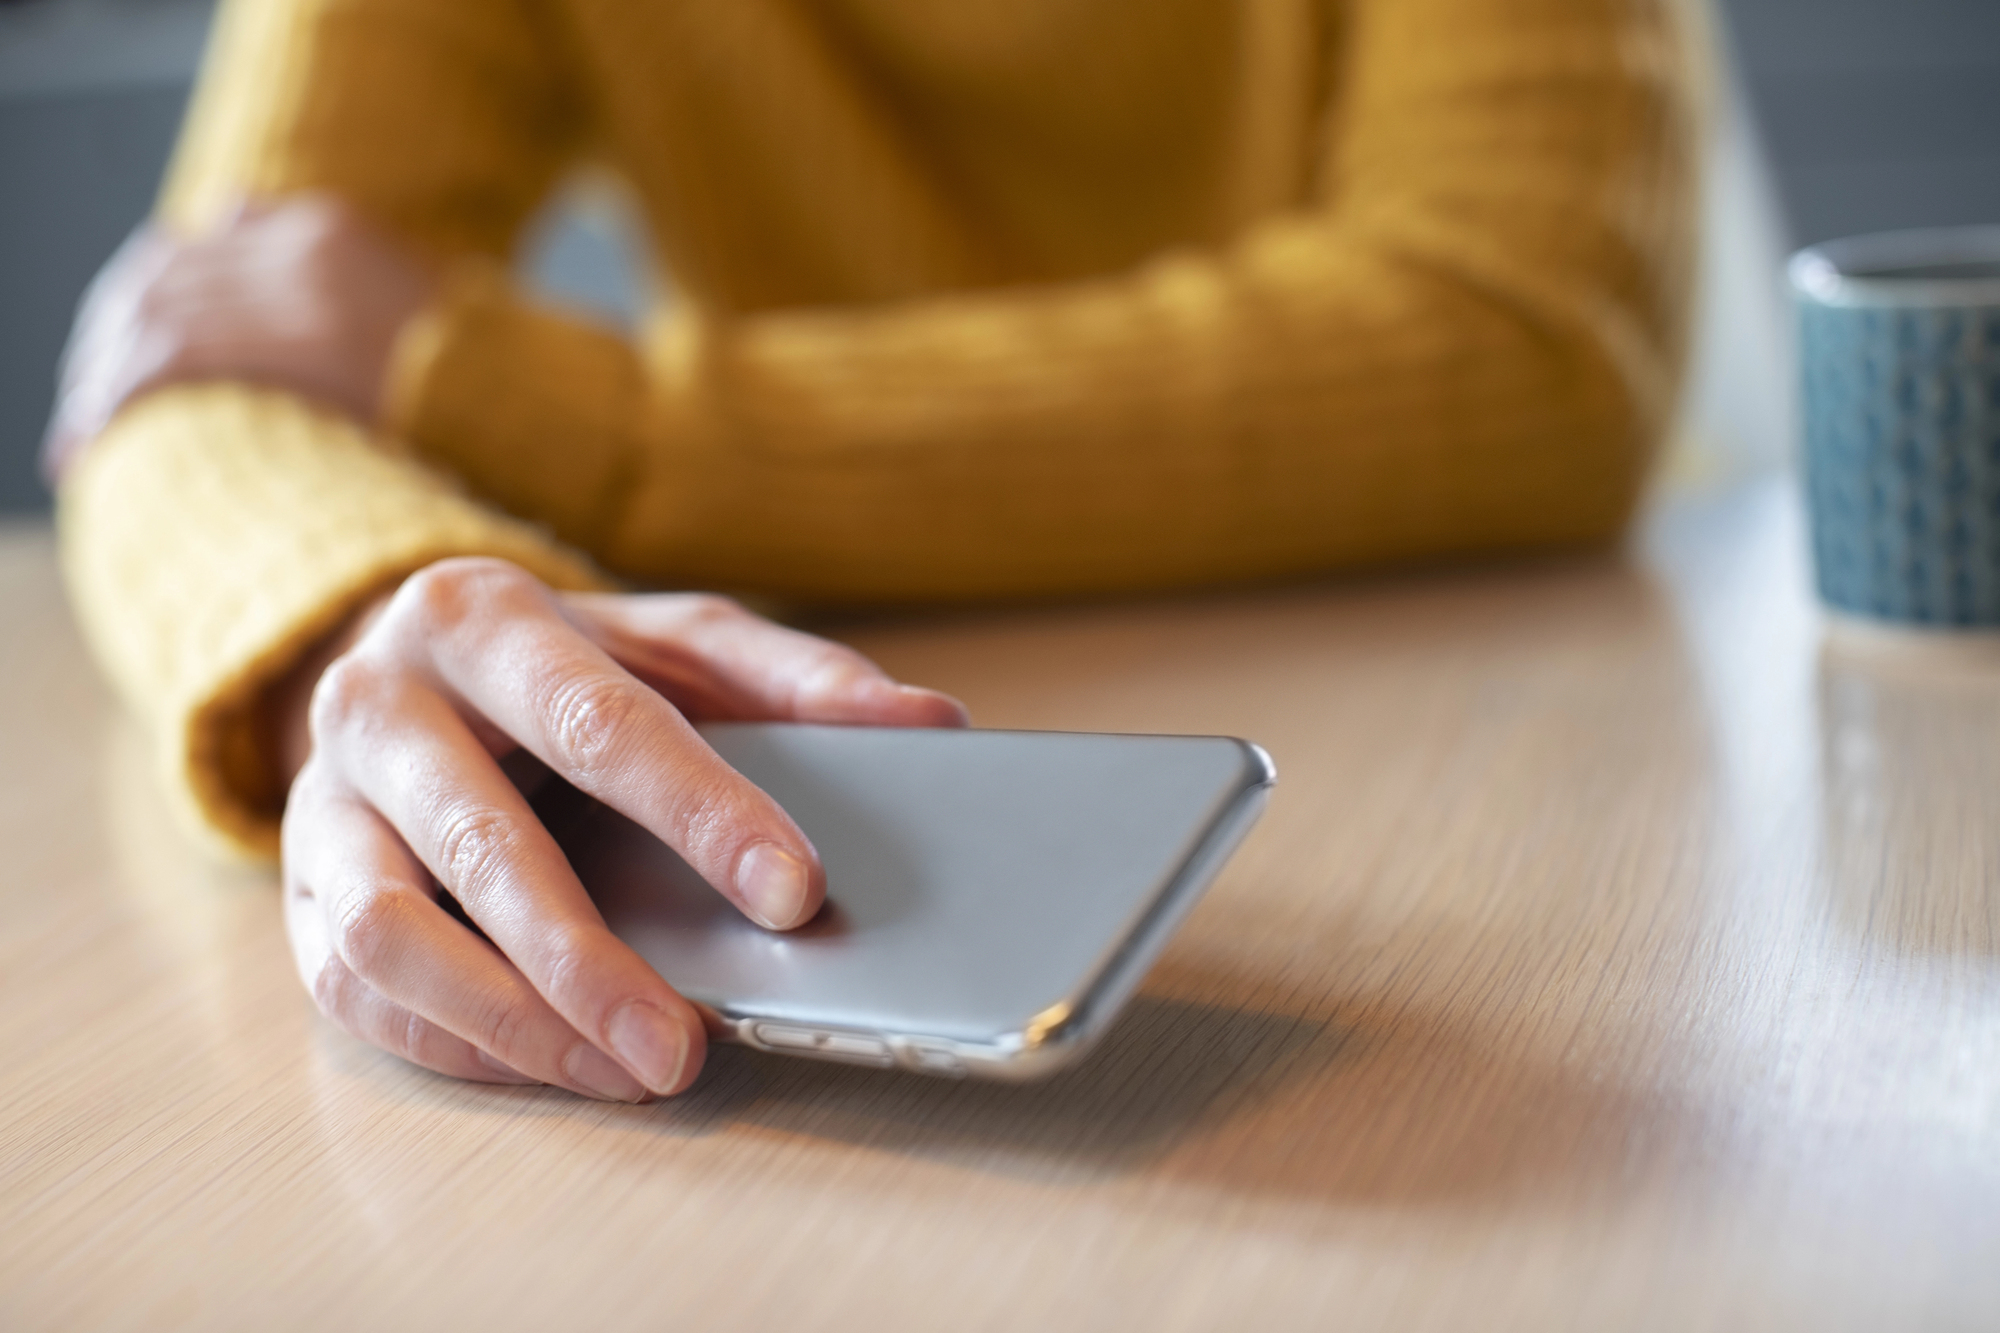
<point>1276,412</point>
<point>1312,400</point>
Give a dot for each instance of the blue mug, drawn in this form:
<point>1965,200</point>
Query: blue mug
<point>1900,362</point>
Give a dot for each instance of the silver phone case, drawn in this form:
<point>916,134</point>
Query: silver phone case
<point>994,897</point>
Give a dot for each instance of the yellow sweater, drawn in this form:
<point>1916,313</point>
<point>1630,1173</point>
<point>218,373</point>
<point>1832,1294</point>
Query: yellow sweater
<point>977,299</point>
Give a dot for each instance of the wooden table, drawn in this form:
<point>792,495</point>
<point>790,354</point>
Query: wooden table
<point>1614,955</point>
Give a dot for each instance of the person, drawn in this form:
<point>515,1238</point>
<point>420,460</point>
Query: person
<point>973,301</point>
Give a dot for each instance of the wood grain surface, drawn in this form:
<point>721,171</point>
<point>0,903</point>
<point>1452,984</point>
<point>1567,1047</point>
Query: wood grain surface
<point>1619,952</point>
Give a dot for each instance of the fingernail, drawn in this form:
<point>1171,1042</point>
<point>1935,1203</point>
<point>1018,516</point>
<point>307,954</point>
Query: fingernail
<point>964,715</point>
<point>599,1073</point>
<point>773,884</point>
<point>504,1072</point>
<point>649,1042</point>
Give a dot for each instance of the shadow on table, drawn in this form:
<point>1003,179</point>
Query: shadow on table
<point>1390,1108</point>
<point>1165,1068</point>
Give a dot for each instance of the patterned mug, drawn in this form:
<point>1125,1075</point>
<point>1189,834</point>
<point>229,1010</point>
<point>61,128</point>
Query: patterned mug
<point>1900,360</point>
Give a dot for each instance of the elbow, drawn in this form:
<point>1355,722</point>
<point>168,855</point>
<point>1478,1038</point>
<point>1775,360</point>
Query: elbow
<point>1627,396</point>
<point>1594,413</point>
<point>1589,462</point>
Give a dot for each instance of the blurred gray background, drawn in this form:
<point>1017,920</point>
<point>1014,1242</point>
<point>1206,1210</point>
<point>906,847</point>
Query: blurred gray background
<point>1870,113</point>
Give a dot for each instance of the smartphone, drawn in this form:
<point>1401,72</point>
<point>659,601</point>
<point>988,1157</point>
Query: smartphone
<point>993,897</point>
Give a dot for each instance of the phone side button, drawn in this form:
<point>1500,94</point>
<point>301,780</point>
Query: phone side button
<point>933,1060</point>
<point>784,1038</point>
<point>851,1046</point>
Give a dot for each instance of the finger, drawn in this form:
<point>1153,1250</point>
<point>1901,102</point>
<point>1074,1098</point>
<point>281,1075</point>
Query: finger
<point>210,308</point>
<point>498,641</point>
<point>717,660</point>
<point>111,302</point>
<point>101,340</point>
<point>355,1006</point>
<point>407,754</point>
<point>124,359</point>
<point>166,309</point>
<point>367,946</point>
<point>243,210</point>
<point>143,356</point>
<point>361,1011</point>
<point>60,449</point>
<point>370,900</point>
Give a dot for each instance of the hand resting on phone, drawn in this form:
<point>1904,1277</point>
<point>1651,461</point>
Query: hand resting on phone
<point>401,791</point>
<point>396,726</point>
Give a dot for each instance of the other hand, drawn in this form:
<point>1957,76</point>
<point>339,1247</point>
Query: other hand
<point>401,792</point>
<point>302,295</point>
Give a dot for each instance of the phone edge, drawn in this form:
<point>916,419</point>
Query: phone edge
<point>1063,1033</point>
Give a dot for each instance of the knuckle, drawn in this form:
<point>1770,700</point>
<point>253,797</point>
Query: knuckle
<point>826,669</point>
<point>566,964</point>
<point>691,612</point>
<point>418,1040</point>
<point>448,592</point>
<point>160,329</point>
<point>370,927</point>
<point>333,991</point>
<point>502,1026</point>
<point>308,797</point>
<point>315,215</point>
<point>708,607</point>
<point>590,721</point>
<point>475,846</point>
<point>169,357</point>
<point>318,207</point>
<point>709,817</point>
<point>350,689</point>
<point>154,306</point>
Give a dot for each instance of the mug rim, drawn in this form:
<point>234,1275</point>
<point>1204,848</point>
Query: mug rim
<point>1824,274</point>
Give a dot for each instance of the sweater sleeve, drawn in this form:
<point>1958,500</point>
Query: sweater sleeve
<point>215,532</point>
<point>1466,338</point>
